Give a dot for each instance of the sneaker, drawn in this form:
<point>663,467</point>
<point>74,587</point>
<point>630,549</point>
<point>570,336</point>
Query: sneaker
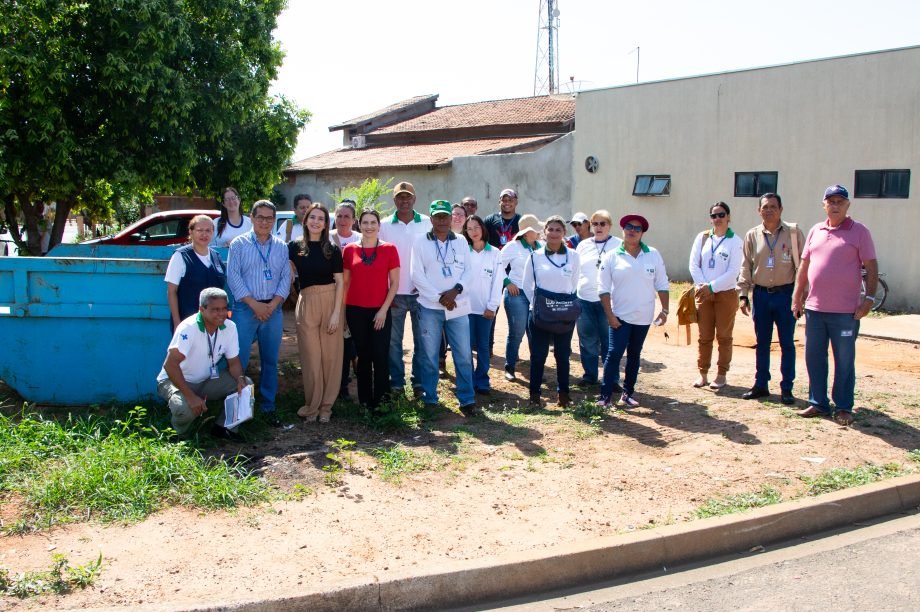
<point>225,434</point>
<point>271,419</point>
<point>467,409</point>
<point>324,419</point>
<point>509,374</point>
<point>603,402</point>
<point>628,400</point>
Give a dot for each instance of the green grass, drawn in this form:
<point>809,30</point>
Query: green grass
<point>60,578</point>
<point>739,503</point>
<point>397,461</point>
<point>844,478</point>
<point>914,455</point>
<point>110,468</point>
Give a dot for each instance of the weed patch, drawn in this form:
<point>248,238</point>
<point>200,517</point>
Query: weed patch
<point>61,578</point>
<point>114,469</point>
<point>844,478</point>
<point>739,503</point>
<point>397,461</point>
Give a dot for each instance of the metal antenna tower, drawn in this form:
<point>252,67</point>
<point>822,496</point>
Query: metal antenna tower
<point>546,72</point>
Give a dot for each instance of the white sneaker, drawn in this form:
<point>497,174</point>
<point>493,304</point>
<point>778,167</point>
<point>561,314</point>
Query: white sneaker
<point>628,400</point>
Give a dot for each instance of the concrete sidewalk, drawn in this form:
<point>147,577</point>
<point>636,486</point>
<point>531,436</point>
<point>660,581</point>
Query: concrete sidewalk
<point>905,328</point>
<point>604,558</point>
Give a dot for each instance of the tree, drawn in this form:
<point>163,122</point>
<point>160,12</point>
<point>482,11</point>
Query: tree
<point>136,95</point>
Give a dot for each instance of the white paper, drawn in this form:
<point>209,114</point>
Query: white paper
<point>462,308</point>
<point>238,407</point>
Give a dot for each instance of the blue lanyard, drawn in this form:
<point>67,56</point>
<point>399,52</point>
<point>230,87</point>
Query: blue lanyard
<point>211,347</point>
<point>563,264</point>
<point>506,227</point>
<point>714,247</point>
<point>443,256</point>
<point>775,240</point>
<point>265,258</point>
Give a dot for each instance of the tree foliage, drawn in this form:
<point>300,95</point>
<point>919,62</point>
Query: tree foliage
<point>130,95</point>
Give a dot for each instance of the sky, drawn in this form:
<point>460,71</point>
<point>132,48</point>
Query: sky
<point>346,58</point>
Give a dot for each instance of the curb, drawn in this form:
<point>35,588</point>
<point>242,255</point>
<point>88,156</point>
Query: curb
<point>606,557</point>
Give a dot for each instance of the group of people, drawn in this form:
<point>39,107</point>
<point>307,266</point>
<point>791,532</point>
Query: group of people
<point>451,271</point>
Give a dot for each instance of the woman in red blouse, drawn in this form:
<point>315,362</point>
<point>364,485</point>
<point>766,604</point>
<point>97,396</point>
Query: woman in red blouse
<point>371,269</point>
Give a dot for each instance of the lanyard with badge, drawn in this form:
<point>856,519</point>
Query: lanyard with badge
<point>713,247</point>
<point>266,272</point>
<point>211,348</point>
<point>505,230</point>
<point>771,261</point>
<point>600,253</point>
<point>442,257</point>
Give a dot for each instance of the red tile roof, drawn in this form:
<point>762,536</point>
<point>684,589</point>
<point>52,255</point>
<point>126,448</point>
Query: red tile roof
<point>540,109</point>
<point>415,155</point>
<point>392,108</point>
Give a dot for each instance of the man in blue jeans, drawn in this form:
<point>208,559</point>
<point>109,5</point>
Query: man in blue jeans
<point>835,252</point>
<point>402,229</point>
<point>259,277</point>
<point>772,252</point>
<point>439,270</point>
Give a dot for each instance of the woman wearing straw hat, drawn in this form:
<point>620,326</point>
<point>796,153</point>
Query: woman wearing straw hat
<point>514,256</point>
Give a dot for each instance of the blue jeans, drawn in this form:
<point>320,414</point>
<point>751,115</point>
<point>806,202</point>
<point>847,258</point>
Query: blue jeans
<point>480,329</point>
<point>627,338</point>
<point>517,309</point>
<point>593,338</point>
<point>432,324</point>
<point>268,333</point>
<point>841,330</point>
<point>769,309</point>
<point>402,305</point>
<point>539,351</point>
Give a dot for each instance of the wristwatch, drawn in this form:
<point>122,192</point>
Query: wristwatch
<point>459,288</point>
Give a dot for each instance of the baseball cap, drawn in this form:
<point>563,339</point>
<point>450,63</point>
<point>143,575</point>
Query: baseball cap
<point>637,218</point>
<point>403,187</point>
<point>439,207</point>
<point>511,193</point>
<point>836,190</point>
<point>579,217</point>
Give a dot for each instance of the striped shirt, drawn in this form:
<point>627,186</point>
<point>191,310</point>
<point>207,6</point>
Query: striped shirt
<point>260,271</point>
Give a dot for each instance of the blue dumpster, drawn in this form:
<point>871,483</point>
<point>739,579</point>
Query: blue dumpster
<point>83,330</point>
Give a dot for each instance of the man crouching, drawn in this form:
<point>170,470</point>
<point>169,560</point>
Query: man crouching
<point>190,374</point>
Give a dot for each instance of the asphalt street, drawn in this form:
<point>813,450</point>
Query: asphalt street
<point>874,567</point>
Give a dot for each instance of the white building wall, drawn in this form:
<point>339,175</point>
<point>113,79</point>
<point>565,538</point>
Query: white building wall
<point>542,178</point>
<point>814,123</point>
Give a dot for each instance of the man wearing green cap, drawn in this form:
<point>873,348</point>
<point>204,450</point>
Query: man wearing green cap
<point>439,269</point>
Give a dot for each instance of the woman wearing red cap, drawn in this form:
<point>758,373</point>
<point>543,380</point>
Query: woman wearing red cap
<point>629,278</point>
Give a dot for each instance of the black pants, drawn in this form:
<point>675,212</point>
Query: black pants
<point>373,348</point>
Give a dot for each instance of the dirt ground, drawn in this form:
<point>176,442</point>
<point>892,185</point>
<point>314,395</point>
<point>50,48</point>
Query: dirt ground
<point>506,480</point>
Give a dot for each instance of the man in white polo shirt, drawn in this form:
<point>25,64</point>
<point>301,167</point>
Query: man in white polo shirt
<point>402,229</point>
<point>190,375</point>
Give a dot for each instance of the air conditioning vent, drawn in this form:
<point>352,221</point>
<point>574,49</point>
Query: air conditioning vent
<point>358,142</point>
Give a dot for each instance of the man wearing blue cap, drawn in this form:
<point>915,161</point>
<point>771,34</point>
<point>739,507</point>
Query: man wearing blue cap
<point>835,252</point>
<point>439,269</point>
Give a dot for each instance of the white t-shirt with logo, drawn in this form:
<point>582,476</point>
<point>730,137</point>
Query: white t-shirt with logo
<point>191,340</point>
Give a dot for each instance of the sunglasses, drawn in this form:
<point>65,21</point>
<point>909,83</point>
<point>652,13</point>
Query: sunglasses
<point>720,215</point>
<point>629,227</point>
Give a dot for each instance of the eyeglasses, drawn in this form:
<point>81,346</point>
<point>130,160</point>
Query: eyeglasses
<point>263,218</point>
<point>720,215</point>
<point>629,227</point>
<point>598,223</point>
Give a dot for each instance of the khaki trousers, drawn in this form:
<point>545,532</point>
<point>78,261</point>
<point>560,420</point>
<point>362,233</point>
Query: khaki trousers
<point>716,318</point>
<point>320,351</point>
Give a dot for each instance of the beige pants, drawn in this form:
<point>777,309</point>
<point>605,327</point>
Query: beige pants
<point>320,351</point>
<point>716,317</point>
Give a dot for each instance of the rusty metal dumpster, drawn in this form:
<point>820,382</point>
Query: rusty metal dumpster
<point>83,330</point>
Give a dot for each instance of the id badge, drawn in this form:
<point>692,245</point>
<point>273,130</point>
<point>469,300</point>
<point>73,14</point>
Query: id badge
<point>503,239</point>
<point>712,263</point>
<point>566,273</point>
<point>445,270</point>
<point>214,373</point>
<point>770,261</point>
<point>267,273</point>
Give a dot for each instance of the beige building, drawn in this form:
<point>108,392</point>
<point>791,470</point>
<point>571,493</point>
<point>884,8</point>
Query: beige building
<point>669,149</point>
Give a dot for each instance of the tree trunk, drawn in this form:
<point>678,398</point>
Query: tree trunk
<point>32,214</point>
<point>64,206</point>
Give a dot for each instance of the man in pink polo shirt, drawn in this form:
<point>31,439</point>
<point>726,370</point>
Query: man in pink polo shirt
<point>835,252</point>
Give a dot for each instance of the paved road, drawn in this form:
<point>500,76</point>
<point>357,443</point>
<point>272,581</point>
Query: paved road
<point>875,567</point>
